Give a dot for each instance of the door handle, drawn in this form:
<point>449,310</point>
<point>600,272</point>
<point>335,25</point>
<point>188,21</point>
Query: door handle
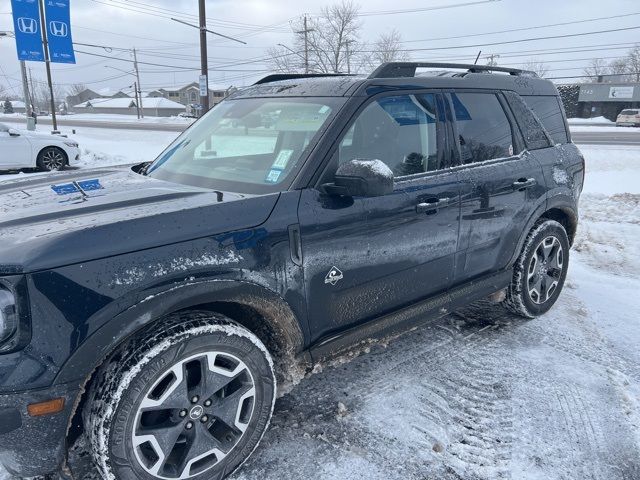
<point>523,183</point>
<point>431,205</point>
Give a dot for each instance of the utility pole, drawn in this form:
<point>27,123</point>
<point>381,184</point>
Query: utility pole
<point>33,91</point>
<point>306,32</point>
<point>43,25</point>
<point>138,87</point>
<point>25,89</point>
<point>346,43</point>
<point>493,60</point>
<point>204,62</point>
<point>135,92</point>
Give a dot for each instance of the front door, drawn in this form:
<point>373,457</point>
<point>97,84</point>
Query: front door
<point>15,150</point>
<point>364,257</point>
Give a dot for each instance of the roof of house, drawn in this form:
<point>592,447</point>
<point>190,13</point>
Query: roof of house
<point>147,102</point>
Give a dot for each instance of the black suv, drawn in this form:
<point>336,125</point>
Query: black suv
<point>154,308</point>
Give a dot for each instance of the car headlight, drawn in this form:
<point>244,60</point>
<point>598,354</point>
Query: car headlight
<point>8,316</point>
<point>71,144</point>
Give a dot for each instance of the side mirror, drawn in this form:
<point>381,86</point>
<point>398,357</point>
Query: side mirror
<point>362,178</point>
<point>13,133</point>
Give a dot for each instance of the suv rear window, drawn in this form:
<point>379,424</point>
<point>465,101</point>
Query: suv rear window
<point>484,132</point>
<point>549,111</point>
<point>629,112</point>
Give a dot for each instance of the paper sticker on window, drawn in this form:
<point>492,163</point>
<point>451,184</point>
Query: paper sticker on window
<point>282,159</point>
<point>273,176</point>
<point>511,150</point>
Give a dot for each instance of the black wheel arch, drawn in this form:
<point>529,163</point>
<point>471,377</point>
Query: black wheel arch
<point>263,312</point>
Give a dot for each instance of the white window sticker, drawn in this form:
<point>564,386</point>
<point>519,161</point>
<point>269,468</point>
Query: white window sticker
<point>282,159</point>
<point>273,176</point>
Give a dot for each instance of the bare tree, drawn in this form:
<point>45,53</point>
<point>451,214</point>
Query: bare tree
<point>536,66</point>
<point>620,67</point>
<point>75,89</point>
<point>42,96</point>
<point>332,39</point>
<point>3,90</point>
<point>388,48</point>
<point>633,62</point>
<point>596,68</point>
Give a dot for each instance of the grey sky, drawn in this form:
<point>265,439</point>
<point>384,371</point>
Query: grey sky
<point>165,42</point>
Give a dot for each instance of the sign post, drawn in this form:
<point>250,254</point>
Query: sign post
<point>48,66</point>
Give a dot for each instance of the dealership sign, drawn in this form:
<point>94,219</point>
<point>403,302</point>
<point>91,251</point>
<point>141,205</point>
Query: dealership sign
<point>28,25</point>
<point>621,92</point>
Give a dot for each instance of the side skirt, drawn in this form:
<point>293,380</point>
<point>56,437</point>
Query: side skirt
<point>406,318</point>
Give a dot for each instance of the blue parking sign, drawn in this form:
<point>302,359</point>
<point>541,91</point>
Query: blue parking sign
<point>26,24</point>
<point>57,13</point>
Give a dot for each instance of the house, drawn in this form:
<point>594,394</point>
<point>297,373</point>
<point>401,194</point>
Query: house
<point>152,107</point>
<point>189,94</point>
<point>17,105</point>
<point>82,97</point>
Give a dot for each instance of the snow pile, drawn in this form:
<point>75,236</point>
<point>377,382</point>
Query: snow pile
<point>589,121</point>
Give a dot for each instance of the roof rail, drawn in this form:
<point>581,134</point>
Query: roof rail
<point>408,69</point>
<point>276,77</point>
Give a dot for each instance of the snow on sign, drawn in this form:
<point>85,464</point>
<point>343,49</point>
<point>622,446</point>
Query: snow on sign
<point>621,92</point>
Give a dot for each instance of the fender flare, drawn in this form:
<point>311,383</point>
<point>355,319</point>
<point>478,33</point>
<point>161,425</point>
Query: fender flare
<point>562,202</point>
<point>102,343</point>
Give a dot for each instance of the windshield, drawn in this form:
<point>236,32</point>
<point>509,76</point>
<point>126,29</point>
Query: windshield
<point>252,145</point>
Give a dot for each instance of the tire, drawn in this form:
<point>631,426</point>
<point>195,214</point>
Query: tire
<point>540,270</point>
<point>152,413</point>
<point>51,159</point>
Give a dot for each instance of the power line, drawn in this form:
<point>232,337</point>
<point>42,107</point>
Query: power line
<point>425,9</point>
<point>522,29</point>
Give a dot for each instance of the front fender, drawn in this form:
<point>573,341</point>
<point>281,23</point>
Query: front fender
<point>161,302</point>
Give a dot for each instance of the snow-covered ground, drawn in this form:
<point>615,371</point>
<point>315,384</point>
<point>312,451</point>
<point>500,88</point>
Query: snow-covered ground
<point>110,117</point>
<point>589,121</point>
<point>480,394</point>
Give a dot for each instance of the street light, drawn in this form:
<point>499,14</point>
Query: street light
<point>135,87</point>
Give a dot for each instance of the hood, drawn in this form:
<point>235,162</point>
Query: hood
<point>60,219</point>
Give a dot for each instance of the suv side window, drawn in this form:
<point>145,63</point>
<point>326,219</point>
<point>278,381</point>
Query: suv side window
<point>534,135</point>
<point>484,131</point>
<point>549,111</point>
<point>400,130</point>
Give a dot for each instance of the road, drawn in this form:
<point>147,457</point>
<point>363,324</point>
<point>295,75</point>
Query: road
<point>615,137</point>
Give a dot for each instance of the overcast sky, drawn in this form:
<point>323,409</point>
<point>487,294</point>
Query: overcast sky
<point>160,40</point>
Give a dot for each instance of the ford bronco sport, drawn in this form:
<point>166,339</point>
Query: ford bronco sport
<point>155,308</point>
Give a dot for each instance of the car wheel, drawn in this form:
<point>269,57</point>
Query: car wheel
<point>51,159</point>
<point>540,271</point>
<point>190,402</point>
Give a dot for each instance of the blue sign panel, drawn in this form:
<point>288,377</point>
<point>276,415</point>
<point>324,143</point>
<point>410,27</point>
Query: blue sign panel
<point>26,24</point>
<point>58,17</point>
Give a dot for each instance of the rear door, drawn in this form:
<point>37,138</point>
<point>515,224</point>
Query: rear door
<point>364,257</point>
<point>501,183</point>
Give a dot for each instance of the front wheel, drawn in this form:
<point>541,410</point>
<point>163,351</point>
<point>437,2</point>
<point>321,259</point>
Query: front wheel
<point>540,271</point>
<point>51,159</point>
<point>191,402</point>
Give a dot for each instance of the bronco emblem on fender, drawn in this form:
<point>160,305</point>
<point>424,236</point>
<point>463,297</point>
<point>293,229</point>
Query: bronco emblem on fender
<point>334,276</point>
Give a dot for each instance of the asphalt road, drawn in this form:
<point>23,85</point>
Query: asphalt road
<point>615,137</point>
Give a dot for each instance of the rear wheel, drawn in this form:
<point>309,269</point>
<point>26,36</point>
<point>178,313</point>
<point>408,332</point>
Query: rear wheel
<point>540,271</point>
<point>191,402</point>
<point>51,159</point>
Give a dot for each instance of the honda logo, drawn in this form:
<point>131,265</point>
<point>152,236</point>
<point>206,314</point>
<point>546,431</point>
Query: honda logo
<point>27,25</point>
<point>58,29</point>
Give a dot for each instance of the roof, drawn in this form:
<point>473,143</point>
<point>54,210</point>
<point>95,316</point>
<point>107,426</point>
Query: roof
<point>346,85</point>
<point>147,102</point>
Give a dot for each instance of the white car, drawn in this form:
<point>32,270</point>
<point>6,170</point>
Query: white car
<point>26,149</point>
<point>628,118</point>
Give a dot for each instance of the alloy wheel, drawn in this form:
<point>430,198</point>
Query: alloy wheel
<point>194,415</point>
<point>53,159</point>
<point>545,269</point>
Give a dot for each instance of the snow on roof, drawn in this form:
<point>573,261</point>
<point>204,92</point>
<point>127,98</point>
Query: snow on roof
<point>147,102</point>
